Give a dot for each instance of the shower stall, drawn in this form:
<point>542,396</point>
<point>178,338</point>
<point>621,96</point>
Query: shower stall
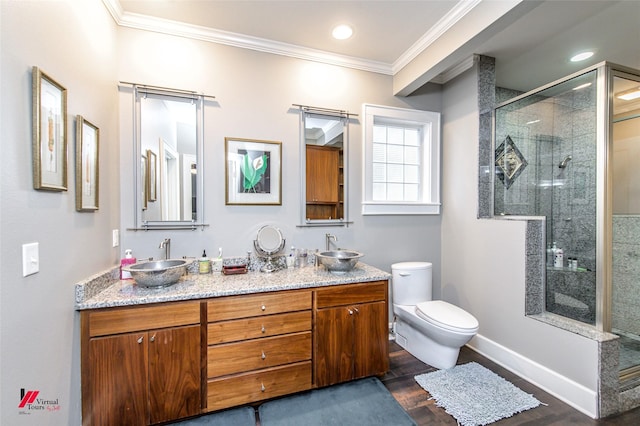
<point>569,153</point>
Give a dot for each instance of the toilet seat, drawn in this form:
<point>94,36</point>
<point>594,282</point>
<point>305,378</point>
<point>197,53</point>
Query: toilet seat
<point>447,316</point>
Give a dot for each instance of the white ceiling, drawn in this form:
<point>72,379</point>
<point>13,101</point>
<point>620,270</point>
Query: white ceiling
<point>530,50</point>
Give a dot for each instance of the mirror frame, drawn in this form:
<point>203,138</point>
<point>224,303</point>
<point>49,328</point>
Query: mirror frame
<point>329,114</point>
<point>140,91</point>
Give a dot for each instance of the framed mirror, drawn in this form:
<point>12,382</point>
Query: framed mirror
<point>324,140</point>
<point>169,149</point>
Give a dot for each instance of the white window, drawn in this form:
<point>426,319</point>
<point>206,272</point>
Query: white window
<point>401,161</point>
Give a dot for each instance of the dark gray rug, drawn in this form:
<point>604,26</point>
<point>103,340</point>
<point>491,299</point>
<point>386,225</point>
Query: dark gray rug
<point>243,416</point>
<point>362,402</point>
<point>474,395</point>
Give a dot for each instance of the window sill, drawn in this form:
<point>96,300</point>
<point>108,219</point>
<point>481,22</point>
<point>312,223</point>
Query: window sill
<point>381,209</point>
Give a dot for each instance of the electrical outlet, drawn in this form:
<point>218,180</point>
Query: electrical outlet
<point>115,238</point>
<point>30,259</point>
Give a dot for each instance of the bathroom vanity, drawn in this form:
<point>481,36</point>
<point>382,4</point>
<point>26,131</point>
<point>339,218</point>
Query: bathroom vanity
<point>212,342</point>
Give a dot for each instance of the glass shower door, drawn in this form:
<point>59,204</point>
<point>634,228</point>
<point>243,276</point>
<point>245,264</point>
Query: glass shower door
<point>625,311</point>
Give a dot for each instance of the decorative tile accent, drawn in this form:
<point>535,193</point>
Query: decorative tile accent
<point>509,162</point>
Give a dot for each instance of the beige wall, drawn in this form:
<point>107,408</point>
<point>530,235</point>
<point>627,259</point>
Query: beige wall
<point>75,44</point>
<point>483,269</point>
<point>254,95</point>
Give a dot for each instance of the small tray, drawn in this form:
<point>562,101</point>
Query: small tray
<point>234,269</point>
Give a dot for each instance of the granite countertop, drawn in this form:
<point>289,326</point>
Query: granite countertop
<point>105,290</point>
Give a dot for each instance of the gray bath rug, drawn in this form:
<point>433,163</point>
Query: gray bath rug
<point>362,402</point>
<point>243,416</point>
<point>474,395</point>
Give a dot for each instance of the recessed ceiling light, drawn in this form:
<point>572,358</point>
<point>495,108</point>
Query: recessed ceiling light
<point>629,95</point>
<point>342,32</point>
<point>581,56</point>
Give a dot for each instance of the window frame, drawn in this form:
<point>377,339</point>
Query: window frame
<point>429,122</point>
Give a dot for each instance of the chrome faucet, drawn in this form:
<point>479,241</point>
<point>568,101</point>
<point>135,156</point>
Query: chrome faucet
<point>166,245</point>
<point>330,237</point>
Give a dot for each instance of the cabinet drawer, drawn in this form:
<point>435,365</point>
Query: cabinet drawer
<point>138,318</point>
<point>257,386</point>
<point>351,294</point>
<point>255,327</point>
<point>251,305</point>
<point>254,354</point>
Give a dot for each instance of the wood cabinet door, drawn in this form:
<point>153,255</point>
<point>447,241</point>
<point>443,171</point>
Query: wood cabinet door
<point>371,340</point>
<point>334,345</point>
<point>118,380</point>
<point>174,373</point>
<point>322,174</point>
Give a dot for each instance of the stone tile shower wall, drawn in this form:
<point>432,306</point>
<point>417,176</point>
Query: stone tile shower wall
<point>546,128</point>
<point>626,270</point>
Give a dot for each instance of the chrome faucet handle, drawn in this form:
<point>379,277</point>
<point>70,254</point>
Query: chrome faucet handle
<point>328,238</point>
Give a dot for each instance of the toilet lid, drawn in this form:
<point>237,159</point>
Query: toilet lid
<point>446,315</point>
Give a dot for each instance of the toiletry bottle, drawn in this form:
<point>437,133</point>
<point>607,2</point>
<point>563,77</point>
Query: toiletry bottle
<point>127,260</point>
<point>217,262</point>
<point>204,265</point>
<point>291,258</point>
<point>549,255</point>
<point>558,260</point>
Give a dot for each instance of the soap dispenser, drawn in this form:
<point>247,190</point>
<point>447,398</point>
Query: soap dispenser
<point>204,265</point>
<point>217,262</point>
<point>127,260</point>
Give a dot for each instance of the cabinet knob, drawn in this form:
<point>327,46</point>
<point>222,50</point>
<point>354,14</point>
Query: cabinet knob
<point>262,388</point>
<point>264,356</point>
<point>140,339</point>
<point>153,338</point>
<point>264,308</point>
<point>264,330</point>
<point>350,311</point>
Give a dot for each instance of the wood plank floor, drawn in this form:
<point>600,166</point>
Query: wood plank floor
<point>401,383</point>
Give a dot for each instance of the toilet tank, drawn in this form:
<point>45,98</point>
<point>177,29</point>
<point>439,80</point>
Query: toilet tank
<point>411,282</point>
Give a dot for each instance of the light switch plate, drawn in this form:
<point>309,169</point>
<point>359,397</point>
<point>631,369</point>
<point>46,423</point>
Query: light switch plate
<point>30,259</point>
<point>115,238</point>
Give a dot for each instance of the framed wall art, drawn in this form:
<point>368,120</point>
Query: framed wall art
<point>49,133</point>
<point>152,182</point>
<point>253,172</point>
<point>87,165</point>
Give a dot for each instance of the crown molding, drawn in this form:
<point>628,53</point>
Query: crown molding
<point>454,71</point>
<point>165,26</point>
<point>461,9</point>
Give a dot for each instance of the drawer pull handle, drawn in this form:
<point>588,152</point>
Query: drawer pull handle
<point>264,330</point>
<point>264,308</point>
<point>264,356</point>
<point>262,388</point>
<point>140,339</point>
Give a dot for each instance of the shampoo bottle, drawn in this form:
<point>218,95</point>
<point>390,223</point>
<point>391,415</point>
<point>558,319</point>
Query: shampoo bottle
<point>558,260</point>
<point>127,260</point>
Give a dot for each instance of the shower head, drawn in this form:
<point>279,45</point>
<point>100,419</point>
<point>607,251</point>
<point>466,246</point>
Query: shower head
<point>564,162</point>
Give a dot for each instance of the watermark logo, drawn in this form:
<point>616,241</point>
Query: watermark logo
<point>27,398</point>
<point>29,402</point>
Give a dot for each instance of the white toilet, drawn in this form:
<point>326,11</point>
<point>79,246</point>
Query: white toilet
<point>431,330</point>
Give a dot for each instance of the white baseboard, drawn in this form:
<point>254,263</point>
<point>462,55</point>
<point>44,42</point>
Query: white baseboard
<point>574,394</point>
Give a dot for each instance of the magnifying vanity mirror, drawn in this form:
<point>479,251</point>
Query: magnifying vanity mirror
<point>324,167</point>
<point>169,151</point>
<point>268,243</point>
